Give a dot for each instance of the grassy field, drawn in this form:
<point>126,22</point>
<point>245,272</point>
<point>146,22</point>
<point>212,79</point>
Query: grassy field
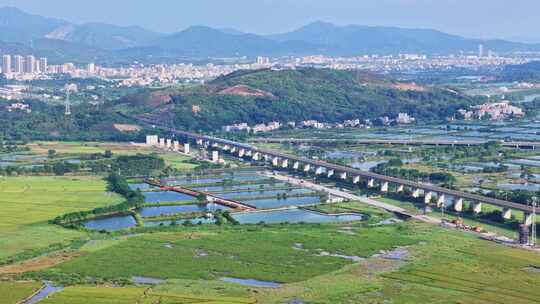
<point>265,253</point>
<point>174,160</point>
<point>27,203</point>
<point>441,266</point>
<point>42,147</point>
<point>131,295</point>
<point>95,295</point>
<point>29,200</point>
<point>457,268</point>
<point>448,267</point>
<point>14,292</point>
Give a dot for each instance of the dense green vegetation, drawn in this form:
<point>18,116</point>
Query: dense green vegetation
<point>524,72</point>
<point>48,122</point>
<point>296,95</point>
<point>394,168</point>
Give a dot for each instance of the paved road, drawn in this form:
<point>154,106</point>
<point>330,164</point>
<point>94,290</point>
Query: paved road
<point>353,197</point>
<point>406,142</point>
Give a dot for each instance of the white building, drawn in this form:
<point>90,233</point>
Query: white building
<point>152,140</point>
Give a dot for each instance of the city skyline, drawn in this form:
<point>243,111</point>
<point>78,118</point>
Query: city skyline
<point>480,19</point>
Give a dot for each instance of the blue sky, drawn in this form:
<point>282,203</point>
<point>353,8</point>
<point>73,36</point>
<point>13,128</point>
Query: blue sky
<point>509,19</point>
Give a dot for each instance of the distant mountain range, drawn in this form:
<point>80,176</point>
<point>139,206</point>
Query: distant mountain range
<point>61,40</point>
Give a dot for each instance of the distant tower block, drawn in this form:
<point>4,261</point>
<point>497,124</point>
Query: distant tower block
<point>187,149</point>
<point>215,156</point>
<point>152,140</point>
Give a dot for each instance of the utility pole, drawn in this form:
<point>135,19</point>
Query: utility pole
<point>68,104</point>
<point>69,88</point>
<point>534,203</point>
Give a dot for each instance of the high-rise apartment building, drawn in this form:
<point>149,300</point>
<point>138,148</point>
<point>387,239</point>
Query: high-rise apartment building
<point>30,64</point>
<point>19,64</point>
<point>91,68</point>
<point>6,64</point>
<point>480,51</point>
<point>43,65</point>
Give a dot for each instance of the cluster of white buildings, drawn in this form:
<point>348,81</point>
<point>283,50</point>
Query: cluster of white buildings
<point>494,111</point>
<point>244,127</point>
<point>402,118</point>
<point>20,107</point>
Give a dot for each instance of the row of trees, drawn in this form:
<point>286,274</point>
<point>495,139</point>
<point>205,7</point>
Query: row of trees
<point>394,168</point>
<point>117,184</point>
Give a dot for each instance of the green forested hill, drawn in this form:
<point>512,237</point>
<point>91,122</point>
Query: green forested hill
<point>296,95</point>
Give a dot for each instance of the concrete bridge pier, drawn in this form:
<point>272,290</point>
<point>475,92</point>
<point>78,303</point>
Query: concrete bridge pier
<point>371,183</point>
<point>187,148</point>
<point>275,162</point>
<point>249,153</point>
<point>199,142</point>
<point>226,148</point>
<point>343,175</point>
<point>176,146</point>
<point>330,173</point>
<point>427,197</point>
<point>384,187</point>
<point>241,153</point>
<point>477,207</point>
<point>169,143</point>
<point>400,188</point>
<point>507,213</point>
<point>296,165</point>
<point>319,171</point>
<point>527,218</point>
<point>307,167</point>
<point>285,164</point>
<point>214,145</point>
<point>458,205</point>
<point>440,201</point>
<point>266,157</point>
<point>233,149</point>
<point>256,156</point>
<point>215,156</point>
<point>416,193</point>
<point>356,179</point>
<point>161,142</point>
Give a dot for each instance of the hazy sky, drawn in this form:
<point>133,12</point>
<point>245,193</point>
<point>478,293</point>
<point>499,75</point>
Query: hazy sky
<point>516,19</point>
